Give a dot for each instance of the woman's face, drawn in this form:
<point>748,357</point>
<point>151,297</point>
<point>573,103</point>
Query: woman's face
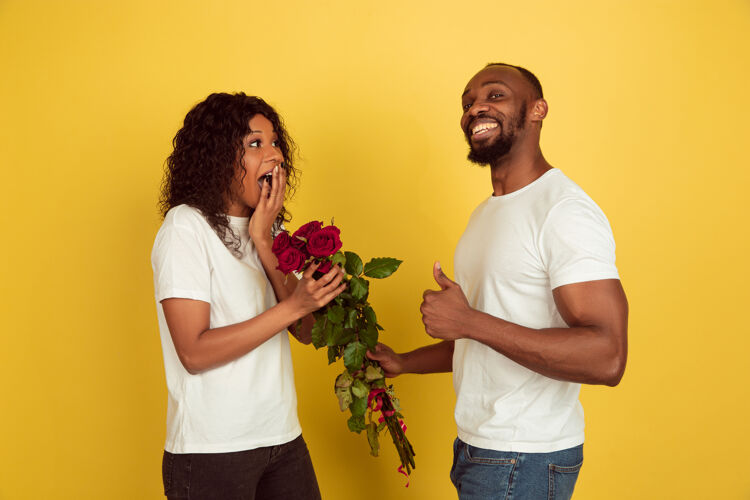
<point>261,155</point>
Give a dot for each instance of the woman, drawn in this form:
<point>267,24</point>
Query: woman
<point>232,427</point>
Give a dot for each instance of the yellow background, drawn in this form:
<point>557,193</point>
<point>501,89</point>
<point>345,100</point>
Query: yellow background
<point>648,113</point>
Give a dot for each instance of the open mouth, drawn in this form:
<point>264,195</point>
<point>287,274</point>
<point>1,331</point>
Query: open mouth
<point>483,128</point>
<point>267,177</point>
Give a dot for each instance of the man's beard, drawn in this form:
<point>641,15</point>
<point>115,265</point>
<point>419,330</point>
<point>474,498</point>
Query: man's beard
<point>485,155</point>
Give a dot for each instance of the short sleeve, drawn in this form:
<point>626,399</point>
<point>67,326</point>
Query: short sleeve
<point>576,244</point>
<point>180,264</point>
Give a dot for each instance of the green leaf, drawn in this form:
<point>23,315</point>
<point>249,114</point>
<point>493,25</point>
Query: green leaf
<point>344,394</point>
<point>333,354</point>
<point>347,337</point>
<point>345,379</point>
<point>358,287</point>
<point>381,426</point>
<point>373,373</point>
<point>396,403</point>
<point>356,424</point>
<point>334,333</point>
<point>318,332</point>
<point>351,319</point>
<point>359,406</point>
<point>381,267</point>
<point>338,258</point>
<point>354,355</point>
<point>353,264</point>
<point>369,336</point>
<point>336,314</point>
<point>372,438</point>
<point>370,315</point>
<point>360,389</point>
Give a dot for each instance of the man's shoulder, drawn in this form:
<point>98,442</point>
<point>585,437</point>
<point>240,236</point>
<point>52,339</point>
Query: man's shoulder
<point>562,186</point>
<point>561,191</point>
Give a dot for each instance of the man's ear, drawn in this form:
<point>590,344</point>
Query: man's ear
<point>539,110</point>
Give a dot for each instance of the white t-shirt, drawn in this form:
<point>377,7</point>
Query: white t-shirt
<point>249,402</point>
<point>516,249</point>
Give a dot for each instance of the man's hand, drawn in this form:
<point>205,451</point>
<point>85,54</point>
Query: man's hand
<point>444,312</point>
<point>391,362</point>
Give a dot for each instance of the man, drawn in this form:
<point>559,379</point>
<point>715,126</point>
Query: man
<point>537,307</point>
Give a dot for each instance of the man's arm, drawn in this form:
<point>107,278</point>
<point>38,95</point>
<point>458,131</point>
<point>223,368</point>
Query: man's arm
<point>592,350</point>
<point>435,358</point>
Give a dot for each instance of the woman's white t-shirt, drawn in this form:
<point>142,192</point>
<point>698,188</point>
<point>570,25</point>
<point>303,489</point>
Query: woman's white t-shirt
<point>249,402</point>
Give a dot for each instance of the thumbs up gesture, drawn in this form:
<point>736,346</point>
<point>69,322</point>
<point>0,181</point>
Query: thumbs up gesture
<point>445,312</point>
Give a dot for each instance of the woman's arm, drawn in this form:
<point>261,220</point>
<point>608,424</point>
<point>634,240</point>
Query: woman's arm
<point>201,348</point>
<point>270,203</point>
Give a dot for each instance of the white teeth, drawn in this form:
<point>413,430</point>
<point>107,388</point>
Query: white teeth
<point>482,127</point>
<point>263,179</point>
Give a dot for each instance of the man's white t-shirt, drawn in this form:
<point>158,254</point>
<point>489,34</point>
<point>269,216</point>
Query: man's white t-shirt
<point>516,249</point>
<point>249,402</point>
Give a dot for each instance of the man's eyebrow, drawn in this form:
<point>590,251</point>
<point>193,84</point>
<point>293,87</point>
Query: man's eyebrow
<point>491,82</point>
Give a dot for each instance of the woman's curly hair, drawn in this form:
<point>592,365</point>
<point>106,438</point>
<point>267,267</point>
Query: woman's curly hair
<point>208,148</point>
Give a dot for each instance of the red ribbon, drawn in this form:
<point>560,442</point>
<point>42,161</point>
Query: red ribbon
<point>402,471</point>
<point>377,395</point>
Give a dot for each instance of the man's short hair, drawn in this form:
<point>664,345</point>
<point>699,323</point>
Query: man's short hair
<point>530,77</point>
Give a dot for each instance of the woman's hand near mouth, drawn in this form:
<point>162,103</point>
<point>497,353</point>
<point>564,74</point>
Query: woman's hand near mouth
<point>269,204</point>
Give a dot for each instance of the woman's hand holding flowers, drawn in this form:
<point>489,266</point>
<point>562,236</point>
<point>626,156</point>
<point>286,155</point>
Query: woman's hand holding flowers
<point>310,294</point>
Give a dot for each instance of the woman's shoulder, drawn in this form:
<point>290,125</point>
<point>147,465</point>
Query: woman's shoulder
<point>185,217</point>
<point>182,225</point>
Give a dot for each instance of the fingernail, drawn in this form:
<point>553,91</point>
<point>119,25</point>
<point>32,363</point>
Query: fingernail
<point>276,169</point>
<point>438,265</point>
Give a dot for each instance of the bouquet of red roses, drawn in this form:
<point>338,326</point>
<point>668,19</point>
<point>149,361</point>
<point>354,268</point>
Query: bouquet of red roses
<point>348,327</point>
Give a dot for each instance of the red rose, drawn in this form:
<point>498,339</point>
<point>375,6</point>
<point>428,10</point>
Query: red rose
<point>291,259</point>
<point>298,243</point>
<point>324,242</point>
<point>306,230</point>
<point>280,243</point>
<point>325,266</point>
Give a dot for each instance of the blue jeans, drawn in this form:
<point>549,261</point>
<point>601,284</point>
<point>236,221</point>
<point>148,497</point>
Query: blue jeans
<point>480,474</point>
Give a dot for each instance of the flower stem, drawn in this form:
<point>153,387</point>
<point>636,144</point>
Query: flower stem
<point>403,446</point>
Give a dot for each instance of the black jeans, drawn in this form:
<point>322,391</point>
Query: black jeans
<point>274,472</point>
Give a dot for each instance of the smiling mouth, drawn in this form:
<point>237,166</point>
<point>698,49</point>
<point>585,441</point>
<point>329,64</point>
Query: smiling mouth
<point>483,128</point>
